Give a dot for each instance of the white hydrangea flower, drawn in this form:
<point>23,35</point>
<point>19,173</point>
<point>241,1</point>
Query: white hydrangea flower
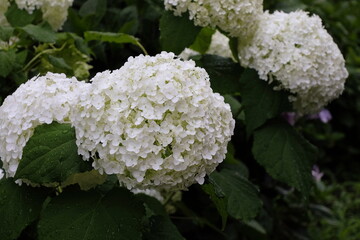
<point>29,5</point>
<point>4,4</point>
<point>297,50</point>
<point>219,46</point>
<point>41,100</point>
<point>187,53</point>
<point>238,18</point>
<point>150,192</point>
<point>155,122</point>
<point>55,12</point>
<point>1,173</point>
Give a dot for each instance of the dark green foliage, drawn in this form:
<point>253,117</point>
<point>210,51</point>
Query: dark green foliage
<point>40,33</point>
<point>19,207</point>
<point>8,61</point>
<point>224,73</point>
<point>51,155</point>
<point>218,197</point>
<point>91,215</point>
<point>6,33</point>
<point>113,38</point>
<point>19,18</point>
<point>261,102</point>
<point>177,33</point>
<point>203,40</point>
<point>241,196</point>
<point>285,154</point>
<point>158,225</point>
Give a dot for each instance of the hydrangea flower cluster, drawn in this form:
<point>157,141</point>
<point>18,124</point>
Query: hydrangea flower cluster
<point>155,122</point>
<point>219,46</point>
<point>294,48</point>
<point>54,12</point>
<point>297,50</point>
<point>238,18</point>
<point>41,100</point>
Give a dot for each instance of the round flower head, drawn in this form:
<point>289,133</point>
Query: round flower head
<point>238,18</point>
<point>297,50</point>
<point>41,100</point>
<point>155,122</point>
<point>54,12</point>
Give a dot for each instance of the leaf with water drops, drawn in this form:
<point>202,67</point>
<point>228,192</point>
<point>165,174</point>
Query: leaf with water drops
<point>19,207</point>
<point>51,155</point>
<point>90,215</point>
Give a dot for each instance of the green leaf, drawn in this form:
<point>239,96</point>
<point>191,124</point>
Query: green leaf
<point>89,215</point>
<point>40,33</point>
<point>220,202</point>
<point>260,101</point>
<point>113,38</point>
<point>64,57</point>
<point>86,180</point>
<point>235,105</point>
<point>224,73</point>
<point>8,62</point>
<point>19,77</point>
<point>234,164</point>
<point>177,33</point>
<point>92,13</point>
<point>93,8</point>
<point>127,19</point>
<point>242,200</point>
<point>285,154</point>
<point>6,33</point>
<point>233,44</point>
<point>152,204</point>
<point>159,225</point>
<point>51,155</point>
<point>21,58</point>
<point>17,17</point>
<point>162,228</point>
<point>203,40</point>
<point>19,207</point>
<point>59,62</point>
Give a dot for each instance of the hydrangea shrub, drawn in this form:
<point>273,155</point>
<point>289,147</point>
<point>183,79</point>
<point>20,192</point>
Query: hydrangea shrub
<point>111,155</point>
